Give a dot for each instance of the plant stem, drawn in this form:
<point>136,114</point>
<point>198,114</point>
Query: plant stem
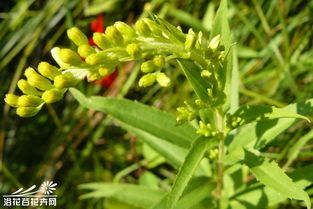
<point>220,166</point>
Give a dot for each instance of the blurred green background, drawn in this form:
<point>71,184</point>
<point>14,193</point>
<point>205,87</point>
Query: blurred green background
<point>71,145</point>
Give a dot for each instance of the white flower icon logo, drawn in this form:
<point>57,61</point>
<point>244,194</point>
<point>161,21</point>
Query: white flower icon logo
<point>47,187</point>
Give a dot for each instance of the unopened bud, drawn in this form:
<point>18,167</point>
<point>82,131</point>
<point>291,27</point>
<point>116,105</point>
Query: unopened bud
<point>142,28</point>
<point>154,27</point>
<point>214,43</point>
<point>78,37</point>
<point>199,40</point>
<point>55,52</point>
<point>133,49</point>
<point>85,50</point>
<point>66,80</point>
<point>114,35</point>
<point>159,61</point>
<point>11,99</point>
<point>163,79</point>
<point>148,66</point>
<point>206,73</point>
<point>147,80</point>
<point>29,101</point>
<point>47,70</point>
<point>100,58</point>
<point>190,40</point>
<point>26,88</point>
<point>101,40</point>
<point>70,57</point>
<point>27,112</point>
<point>105,71</point>
<point>36,80</point>
<point>52,95</point>
<point>127,32</point>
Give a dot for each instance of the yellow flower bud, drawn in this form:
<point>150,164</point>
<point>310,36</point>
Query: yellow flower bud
<point>29,101</point>
<point>78,37</point>
<point>27,112</point>
<point>26,88</point>
<point>159,61</point>
<point>215,42</point>
<point>52,95</point>
<point>206,73</point>
<point>105,71</point>
<point>100,58</point>
<point>11,99</point>
<point>47,70</point>
<point>133,49</point>
<point>127,32</point>
<point>148,66</point>
<point>70,57</point>
<point>147,80</point>
<point>101,40</point>
<point>142,28</point>
<point>114,35</point>
<point>85,50</point>
<point>55,52</point>
<point>163,79</point>
<point>66,80</point>
<point>190,40</point>
<point>36,80</point>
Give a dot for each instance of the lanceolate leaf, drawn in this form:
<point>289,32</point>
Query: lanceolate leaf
<point>198,83</point>
<point>272,176</point>
<point>138,196</point>
<point>142,117</point>
<point>258,196</point>
<point>251,113</point>
<point>192,160</point>
<point>259,134</point>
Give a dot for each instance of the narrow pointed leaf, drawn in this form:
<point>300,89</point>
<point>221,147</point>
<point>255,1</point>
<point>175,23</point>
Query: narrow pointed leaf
<point>192,160</point>
<point>140,116</point>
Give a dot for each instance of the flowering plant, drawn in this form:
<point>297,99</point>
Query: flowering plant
<point>212,140</point>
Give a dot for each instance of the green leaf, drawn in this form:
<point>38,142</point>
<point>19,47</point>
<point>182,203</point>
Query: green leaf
<point>272,176</point>
<point>221,26</point>
<point>192,160</point>
<point>138,196</point>
<point>142,117</point>
<point>260,196</point>
<point>198,83</point>
<point>250,113</point>
<point>259,134</point>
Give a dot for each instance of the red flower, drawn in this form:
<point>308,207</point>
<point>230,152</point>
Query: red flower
<point>97,25</point>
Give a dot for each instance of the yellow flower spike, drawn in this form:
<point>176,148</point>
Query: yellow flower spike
<point>147,80</point>
<point>66,80</point>
<point>11,99</point>
<point>85,50</point>
<point>101,40</point>
<point>29,101</point>
<point>133,49</point>
<point>70,57</point>
<point>27,112</point>
<point>53,95</point>
<point>78,37</point>
<point>47,70</point>
<point>36,80</point>
<point>163,80</point>
<point>26,88</point>
<point>114,35</point>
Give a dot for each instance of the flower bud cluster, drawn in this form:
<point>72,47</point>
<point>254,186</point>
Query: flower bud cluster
<point>47,85</point>
<point>190,111</point>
